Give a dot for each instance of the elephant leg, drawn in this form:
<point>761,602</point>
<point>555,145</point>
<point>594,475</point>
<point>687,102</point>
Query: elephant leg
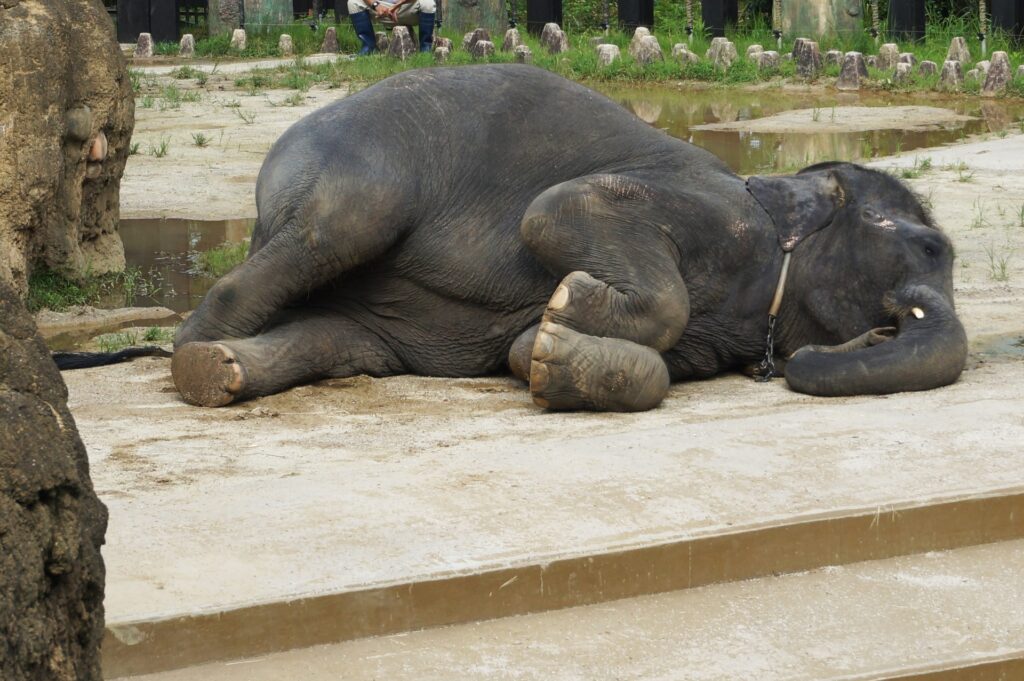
<point>314,248</point>
<point>521,353</point>
<point>305,346</point>
<point>621,301</point>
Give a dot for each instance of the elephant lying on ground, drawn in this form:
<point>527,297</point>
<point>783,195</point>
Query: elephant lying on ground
<point>446,221</point>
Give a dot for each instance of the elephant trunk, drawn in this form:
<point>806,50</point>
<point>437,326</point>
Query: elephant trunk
<point>928,350</point>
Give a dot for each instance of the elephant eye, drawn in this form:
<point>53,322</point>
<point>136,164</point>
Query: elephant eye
<point>871,215</point>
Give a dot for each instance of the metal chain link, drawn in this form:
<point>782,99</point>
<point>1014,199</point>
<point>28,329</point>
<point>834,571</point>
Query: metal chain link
<point>766,369</point>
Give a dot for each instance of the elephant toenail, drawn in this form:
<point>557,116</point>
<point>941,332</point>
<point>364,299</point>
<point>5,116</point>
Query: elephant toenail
<point>538,376</point>
<point>560,299</point>
<point>544,345</point>
<point>541,402</point>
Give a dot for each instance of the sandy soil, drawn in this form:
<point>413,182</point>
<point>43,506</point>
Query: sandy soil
<point>217,181</point>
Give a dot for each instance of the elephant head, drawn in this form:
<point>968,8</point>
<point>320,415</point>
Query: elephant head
<point>869,306</point>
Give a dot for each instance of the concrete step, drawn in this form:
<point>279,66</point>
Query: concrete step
<point>364,507</point>
<point>952,615</point>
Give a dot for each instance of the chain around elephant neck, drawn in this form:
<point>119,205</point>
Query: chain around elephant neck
<point>766,369</point>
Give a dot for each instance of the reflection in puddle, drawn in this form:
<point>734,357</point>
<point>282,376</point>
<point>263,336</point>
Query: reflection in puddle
<point>166,250</point>
<point>678,111</point>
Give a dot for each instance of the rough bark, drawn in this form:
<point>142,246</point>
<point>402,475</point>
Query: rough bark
<point>63,86</point>
<point>51,522</point>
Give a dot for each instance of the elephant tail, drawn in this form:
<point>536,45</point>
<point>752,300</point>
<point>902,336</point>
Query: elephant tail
<point>84,360</point>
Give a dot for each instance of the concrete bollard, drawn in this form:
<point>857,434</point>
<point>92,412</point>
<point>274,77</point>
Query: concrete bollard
<point>807,57</point>
<point>330,44</point>
<point>902,72</point>
<point>998,76</point>
<point>238,40</point>
<point>681,53</point>
<point>721,53</point>
<point>187,46</point>
<point>888,55</point>
<point>634,44</point>
<point>768,60</point>
<point>512,40</point>
<point>607,55</point>
<point>482,49</point>
<point>285,47</point>
<point>952,76</point>
<point>144,47</point>
<point>851,71</point>
<point>649,51</point>
<point>958,51</point>
<point>401,45</point>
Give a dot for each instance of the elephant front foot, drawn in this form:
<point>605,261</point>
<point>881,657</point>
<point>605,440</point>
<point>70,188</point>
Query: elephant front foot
<point>208,374</point>
<point>570,370</point>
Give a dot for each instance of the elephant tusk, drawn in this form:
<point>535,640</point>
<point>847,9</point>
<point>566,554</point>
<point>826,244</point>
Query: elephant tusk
<point>917,312</point>
<point>98,149</point>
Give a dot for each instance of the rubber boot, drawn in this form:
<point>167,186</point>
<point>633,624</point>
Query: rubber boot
<point>364,31</point>
<point>426,32</point>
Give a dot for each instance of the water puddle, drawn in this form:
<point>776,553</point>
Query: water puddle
<point>678,112</point>
<point>166,251</point>
<point>997,348</point>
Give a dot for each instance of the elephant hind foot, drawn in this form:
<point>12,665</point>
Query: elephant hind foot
<point>571,370</point>
<point>208,374</point>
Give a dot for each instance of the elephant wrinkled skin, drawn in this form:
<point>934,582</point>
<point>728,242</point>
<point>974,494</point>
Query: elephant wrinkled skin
<point>516,216</point>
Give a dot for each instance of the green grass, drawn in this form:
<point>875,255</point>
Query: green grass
<point>921,166</point>
<point>161,148</point>
<point>112,342</point>
<point>158,334</point>
<point>49,290</point>
<point>218,261</point>
<point>248,117</point>
<point>200,140</point>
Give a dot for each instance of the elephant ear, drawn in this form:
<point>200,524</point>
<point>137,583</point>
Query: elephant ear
<point>799,205</point>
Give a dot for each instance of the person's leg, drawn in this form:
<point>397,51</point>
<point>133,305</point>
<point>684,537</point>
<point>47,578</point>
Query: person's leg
<point>363,25</point>
<point>425,10</point>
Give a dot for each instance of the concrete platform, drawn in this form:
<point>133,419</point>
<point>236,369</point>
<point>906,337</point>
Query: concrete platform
<point>359,507</point>
<point>952,615</point>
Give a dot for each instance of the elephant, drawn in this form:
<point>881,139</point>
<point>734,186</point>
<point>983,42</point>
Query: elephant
<point>452,221</point>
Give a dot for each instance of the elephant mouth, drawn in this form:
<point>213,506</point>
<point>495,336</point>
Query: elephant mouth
<point>924,347</point>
